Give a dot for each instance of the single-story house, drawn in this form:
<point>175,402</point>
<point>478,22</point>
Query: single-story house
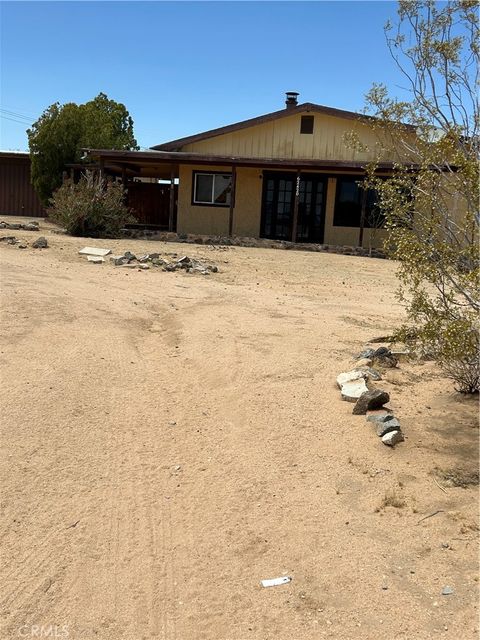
<point>287,175</point>
<point>17,195</point>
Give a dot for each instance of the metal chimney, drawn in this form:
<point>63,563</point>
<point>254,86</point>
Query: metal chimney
<point>291,101</point>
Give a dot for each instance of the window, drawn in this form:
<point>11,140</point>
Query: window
<point>350,199</point>
<point>306,124</point>
<point>212,188</point>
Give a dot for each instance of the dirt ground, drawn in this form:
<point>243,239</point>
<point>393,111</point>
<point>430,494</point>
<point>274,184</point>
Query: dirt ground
<point>171,439</point>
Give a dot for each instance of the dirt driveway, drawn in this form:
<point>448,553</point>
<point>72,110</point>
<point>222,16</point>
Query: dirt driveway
<point>170,439</point>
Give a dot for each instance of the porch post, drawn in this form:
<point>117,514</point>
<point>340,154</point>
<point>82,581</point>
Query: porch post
<point>232,200</point>
<point>101,167</point>
<point>362,218</point>
<point>171,213</point>
<point>295,206</point>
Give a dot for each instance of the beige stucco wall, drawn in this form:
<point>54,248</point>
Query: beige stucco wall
<point>204,220</point>
<point>282,139</point>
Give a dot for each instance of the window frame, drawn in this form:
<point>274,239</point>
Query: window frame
<point>307,119</point>
<point>196,203</point>
<point>367,221</point>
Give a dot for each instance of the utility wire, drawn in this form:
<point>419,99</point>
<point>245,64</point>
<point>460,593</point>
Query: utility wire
<point>15,114</point>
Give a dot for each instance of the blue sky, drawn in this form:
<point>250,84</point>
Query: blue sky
<point>185,67</point>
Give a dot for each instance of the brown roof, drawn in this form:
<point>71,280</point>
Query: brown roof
<point>176,145</point>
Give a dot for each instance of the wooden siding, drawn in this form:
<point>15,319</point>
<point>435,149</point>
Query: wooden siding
<point>17,196</point>
<point>282,139</point>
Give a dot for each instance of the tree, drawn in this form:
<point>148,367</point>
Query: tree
<point>431,203</point>
<point>58,136</point>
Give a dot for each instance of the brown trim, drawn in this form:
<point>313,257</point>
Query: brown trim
<point>175,145</point>
<point>171,212</point>
<point>232,200</point>
<point>143,158</point>
<point>208,204</point>
<point>296,200</point>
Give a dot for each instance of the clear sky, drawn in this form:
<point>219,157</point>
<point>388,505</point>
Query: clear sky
<point>185,67</point>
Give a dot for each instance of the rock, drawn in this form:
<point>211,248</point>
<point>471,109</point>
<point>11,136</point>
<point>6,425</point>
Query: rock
<point>142,266</point>
<point>154,256</point>
<point>119,261</point>
<point>129,265</point>
<point>387,361</point>
<point>370,374</point>
<point>367,353</point>
<point>144,258</point>
<point>94,251</point>
<point>385,358</point>
<point>373,399</point>
<point>22,246</point>
<point>447,591</point>
<point>95,259</point>
<point>31,226</point>
<point>385,427</point>
<point>363,362</point>
<point>349,376</point>
<point>129,256</point>
<point>392,438</point>
<point>352,390</point>
<point>158,262</point>
<point>379,415</point>
<point>41,243</point>
<point>381,351</point>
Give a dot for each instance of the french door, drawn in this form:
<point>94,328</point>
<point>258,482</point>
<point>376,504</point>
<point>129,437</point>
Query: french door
<point>278,203</point>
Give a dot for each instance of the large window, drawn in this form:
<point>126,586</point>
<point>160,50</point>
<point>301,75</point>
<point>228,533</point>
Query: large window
<point>351,198</point>
<point>212,189</point>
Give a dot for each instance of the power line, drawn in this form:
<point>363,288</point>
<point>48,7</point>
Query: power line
<point>15,114</point>
<point>24,122</point>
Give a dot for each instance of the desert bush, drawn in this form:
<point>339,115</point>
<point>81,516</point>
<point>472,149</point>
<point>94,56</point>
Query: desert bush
<point>92,207</point>
<point>431,201</point>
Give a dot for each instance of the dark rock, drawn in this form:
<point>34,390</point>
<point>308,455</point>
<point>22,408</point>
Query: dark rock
<point>386,361</point>
<point>367,353</point>
<point>382,351</point>
<point>373,399</point>
<point>30,226</point>
<point>41,243</point>
<point>379,415</point>
<point>388,425</point>
<point>22,246</point>
<point>129,256</point>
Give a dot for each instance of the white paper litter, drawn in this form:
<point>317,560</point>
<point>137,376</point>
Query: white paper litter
<point>275,582</point>
<point>94,251</point>
<point>96,259</point>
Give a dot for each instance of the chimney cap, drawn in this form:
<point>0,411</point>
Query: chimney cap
<point>291,100</point>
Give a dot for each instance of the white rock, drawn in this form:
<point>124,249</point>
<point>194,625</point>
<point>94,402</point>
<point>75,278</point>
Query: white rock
<point>392,438</point>
<point>94,251</point>
<point>95,259</point>
<point>349,376</point>
<point>353,389</point>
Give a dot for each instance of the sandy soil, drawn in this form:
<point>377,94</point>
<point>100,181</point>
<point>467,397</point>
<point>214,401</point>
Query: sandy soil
<point>169,440</point>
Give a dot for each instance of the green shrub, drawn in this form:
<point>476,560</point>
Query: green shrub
<point>93,207</point>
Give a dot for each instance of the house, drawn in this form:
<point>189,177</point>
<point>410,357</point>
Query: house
<point>287,175</point>
<point>17,195</point>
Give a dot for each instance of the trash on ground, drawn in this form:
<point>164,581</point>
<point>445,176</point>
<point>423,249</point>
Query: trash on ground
<point>95,259</point>
<point>275,582</point>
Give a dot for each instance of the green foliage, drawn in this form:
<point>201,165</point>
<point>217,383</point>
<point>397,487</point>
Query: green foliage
<point>58,136</point>
<point>431,203</point>
<point>93,207</point>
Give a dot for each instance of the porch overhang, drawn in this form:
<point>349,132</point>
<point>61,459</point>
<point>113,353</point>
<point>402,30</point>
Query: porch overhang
<point>160,164</point>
